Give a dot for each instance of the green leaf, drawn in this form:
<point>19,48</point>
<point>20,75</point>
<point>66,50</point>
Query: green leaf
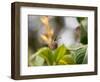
<point>67,59</point>
<point>39,61</point>
<point>84,34</point>
<point>59,53</point>
<point>80,19</point>
<point>85,58</point>
<point>46,54</point>
<point>80,55</point>
<point>84,23</point>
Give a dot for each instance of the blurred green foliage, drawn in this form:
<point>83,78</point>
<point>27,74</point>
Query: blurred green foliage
<point>60,56</point>
<point>83,28</point>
